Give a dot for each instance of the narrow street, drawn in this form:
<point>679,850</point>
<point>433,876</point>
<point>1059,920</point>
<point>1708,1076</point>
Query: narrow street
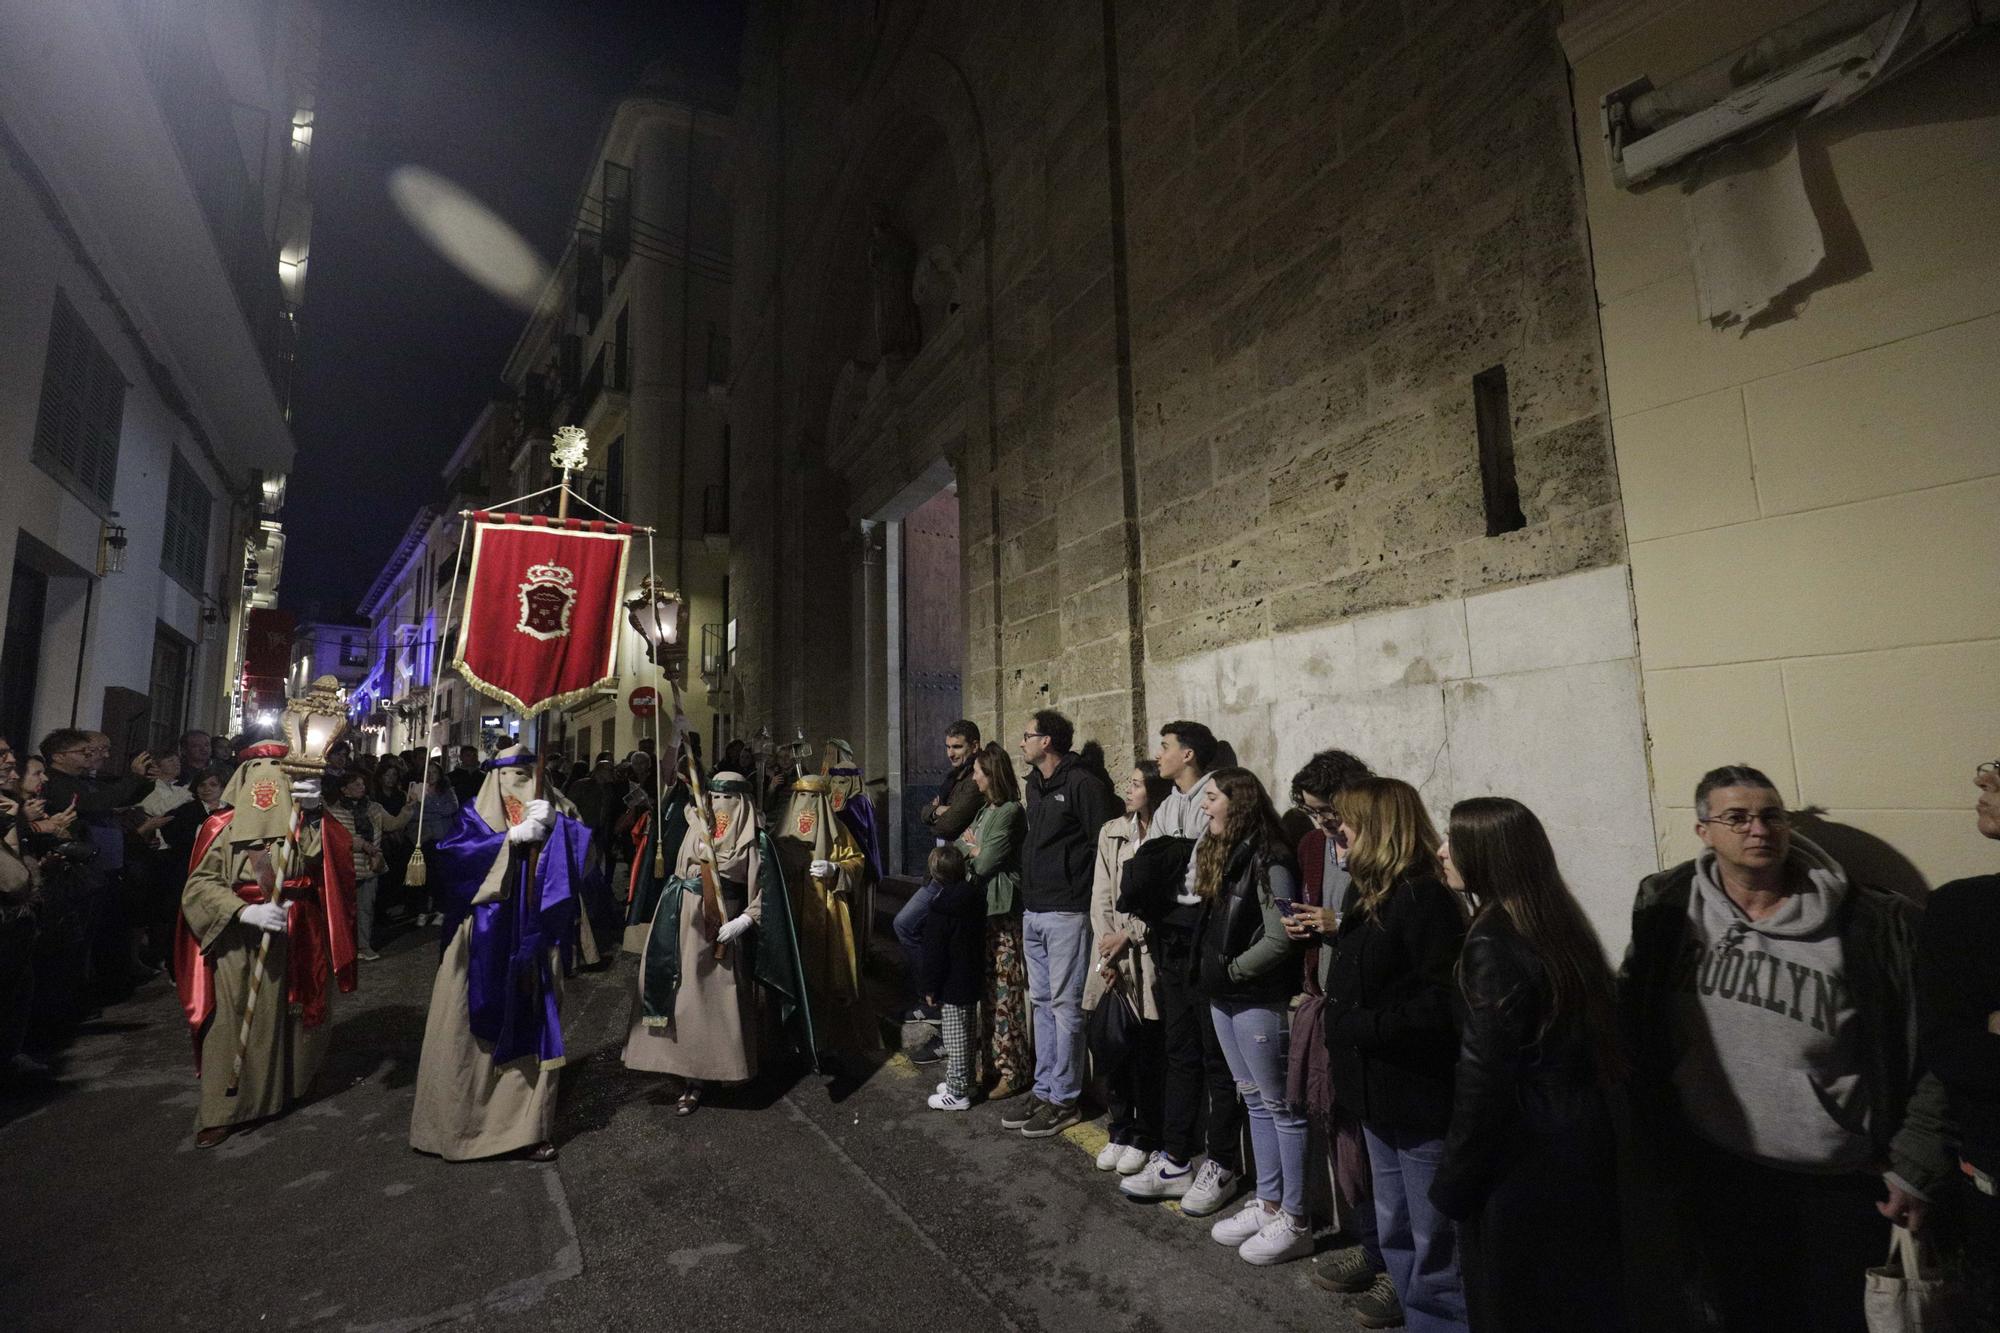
<point>777,1206</point>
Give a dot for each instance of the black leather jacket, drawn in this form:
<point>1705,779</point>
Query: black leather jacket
<point>1244,954</point>
<point>1513,1083</point>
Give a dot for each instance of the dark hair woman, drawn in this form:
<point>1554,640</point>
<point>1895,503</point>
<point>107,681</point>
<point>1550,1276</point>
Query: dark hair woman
<point>1392,1032</point>
<point>1247,968</point>
<point>1530,1167</point>
<point>993,852</point>
<point>1127,971</point>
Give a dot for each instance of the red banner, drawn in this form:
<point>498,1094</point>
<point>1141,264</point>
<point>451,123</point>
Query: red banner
<point>541,617</point>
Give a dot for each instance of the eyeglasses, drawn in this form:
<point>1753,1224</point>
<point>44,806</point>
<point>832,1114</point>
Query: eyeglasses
<point>1322,818</point>
<point>1034,735</point>
<point>1989,769</point>
<point>1739,821</point>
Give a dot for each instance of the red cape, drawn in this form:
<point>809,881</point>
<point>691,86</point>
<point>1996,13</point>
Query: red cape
<point>321,930</point>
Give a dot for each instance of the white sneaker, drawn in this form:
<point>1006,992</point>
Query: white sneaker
<point>1276,1242</point>
<point>1240,1225</point>
<point>1131,1160</point>
<point>1159,1179</point>
<point>1108,1158</point>
<point>944,1099</point>
<point>943,1087</point>
<point>1214,1185</point>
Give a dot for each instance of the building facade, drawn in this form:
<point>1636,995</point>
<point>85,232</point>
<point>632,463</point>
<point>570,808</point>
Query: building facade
<point>629,342</point>
<point>154,234</point>
<point>1246,363</point>
<point>1812,494</point>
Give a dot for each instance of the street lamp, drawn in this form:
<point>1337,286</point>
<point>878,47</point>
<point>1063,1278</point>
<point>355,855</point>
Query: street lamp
<point>311,724</point>
<point>657,616</point>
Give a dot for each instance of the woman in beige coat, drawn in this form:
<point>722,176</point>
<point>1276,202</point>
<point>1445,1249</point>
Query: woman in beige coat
<point>1126,973</point>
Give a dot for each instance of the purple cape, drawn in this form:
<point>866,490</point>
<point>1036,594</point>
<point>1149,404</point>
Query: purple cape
<point>511,983</point>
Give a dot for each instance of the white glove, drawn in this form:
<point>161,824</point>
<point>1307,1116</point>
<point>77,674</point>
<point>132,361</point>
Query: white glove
<point>527,831</point>
<point>541,812</point>
<point>305,793</point>
<point>732,928</point>
<point>268,917</point>
<point>822,870</point>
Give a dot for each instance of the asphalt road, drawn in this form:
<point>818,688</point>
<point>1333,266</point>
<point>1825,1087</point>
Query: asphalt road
<point>784,1204</point>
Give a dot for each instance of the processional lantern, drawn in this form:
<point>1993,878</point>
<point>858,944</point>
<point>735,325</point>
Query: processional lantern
<point>656,615</point>
<point>311,724</point>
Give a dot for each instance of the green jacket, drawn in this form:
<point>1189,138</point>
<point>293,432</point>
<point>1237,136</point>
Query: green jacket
<point>1879,938</point>
<point>998,829</point>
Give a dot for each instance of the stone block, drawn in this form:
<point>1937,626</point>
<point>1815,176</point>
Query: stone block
<point>1374,587</point>
<point>1564,546</point>
<point>1307,550</point>
<point>1030,548</point>
<point>1704,717</point>
<point>1093,559</point>
<point>1435,512</point>
<point>1087,508</point>
<point>979,604</point>
<point>1175,476</point>
<point>1551,384</point>
<point>1915,413</point>
<point>1284,296</point>
<point>1854,580</point>
<point>1378,458</point>
<point>1566,470</point>
<point>1902,728</point>
<point>1094,613</point>
<point>1033,594</point>
<point>1232,573</point>
<point>1095,668</point>
<point>1105,718</point>
<point>1565,621</point>
<point>1417,645</point>
<point>1235,505</point>
<point>1569,741</point>
<point>1325,405</point>
<point>1205,630</point>
<point>1036,639</point>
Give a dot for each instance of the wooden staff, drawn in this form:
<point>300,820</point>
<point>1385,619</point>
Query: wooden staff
<point>281,868</point>
<point>711,885</point>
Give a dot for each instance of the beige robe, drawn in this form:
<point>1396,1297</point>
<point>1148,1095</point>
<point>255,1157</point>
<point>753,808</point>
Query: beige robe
<point>467,1107</point>
<point>283,1055</point>
<point>714,1033</point>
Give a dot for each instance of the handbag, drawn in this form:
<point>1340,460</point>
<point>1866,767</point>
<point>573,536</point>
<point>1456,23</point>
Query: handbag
<point>1903,1296</point>
<point>1112,1029</point>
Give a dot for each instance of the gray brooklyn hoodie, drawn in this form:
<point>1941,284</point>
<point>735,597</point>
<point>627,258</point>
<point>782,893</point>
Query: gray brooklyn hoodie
<point>1772,1065</point>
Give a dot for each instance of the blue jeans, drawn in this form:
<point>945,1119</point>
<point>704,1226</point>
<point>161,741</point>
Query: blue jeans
<point>1057,945</point>
<point>909,928</point>
<point>1419,1244</point>
<point>1253,1039</point>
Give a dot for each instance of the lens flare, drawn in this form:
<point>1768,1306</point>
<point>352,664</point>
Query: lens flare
<point>470,235</point>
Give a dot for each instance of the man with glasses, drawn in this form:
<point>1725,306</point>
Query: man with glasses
<point>1769,1009</point>
<point>1958,1000</point>
<point>1068,806</point>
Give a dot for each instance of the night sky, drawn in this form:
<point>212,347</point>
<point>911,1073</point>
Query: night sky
<point>399,352</point>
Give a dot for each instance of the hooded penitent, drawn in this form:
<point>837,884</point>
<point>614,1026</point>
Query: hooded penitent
<point>848,789</point>
<point>695,1016</point>
<point>217,955</point>
<point>811,832</point>
<point>493,1041</point>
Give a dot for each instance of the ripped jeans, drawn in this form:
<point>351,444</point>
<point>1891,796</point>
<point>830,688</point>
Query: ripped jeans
<point>1253,1038</point>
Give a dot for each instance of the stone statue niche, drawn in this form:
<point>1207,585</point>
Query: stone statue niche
<point>892,264</point>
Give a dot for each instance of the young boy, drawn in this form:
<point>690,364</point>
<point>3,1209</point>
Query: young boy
<point>954,970</point>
